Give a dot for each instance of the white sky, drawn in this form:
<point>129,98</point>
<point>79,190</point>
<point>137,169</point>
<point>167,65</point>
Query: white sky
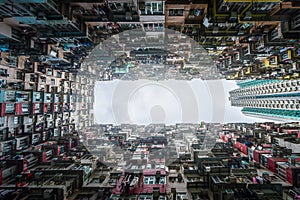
<point>169,102</point>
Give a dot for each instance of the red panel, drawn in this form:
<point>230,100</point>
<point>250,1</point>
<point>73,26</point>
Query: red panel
<point>3,109</point>
<point>58,150</point>
<point>55,107</point>
<point>266,145</point>
<point>238,145</point>
<point>45,108</point>
<point>256,154</point>
<point>271,165</point>
<point>272,162</point>
<point>44,157</point>
<point>223,137</point>
<point>25,166</point>
<point>242,147</point>
<point>18,109</point>
<point>289,175</point>
<point>140,187</point>
<point>291,131</point>
<point>235,146</point>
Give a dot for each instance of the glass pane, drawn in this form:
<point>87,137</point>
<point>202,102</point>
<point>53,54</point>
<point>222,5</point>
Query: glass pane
<point>160,7</point>
<point>154,6</point>
<point>148,8</point>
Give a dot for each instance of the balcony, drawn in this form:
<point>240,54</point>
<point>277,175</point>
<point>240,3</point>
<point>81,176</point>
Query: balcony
<point>22,96</point>
<point>9,108</point>
<point>22,143</point>
<point>22,109</point>
<point>36,108</point>
<point>47,108</point>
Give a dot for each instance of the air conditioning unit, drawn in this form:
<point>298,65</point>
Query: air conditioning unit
<point>233,16</point>
<point>40,16</point>
<point>48,194</point>
<point>128,16</point>
<point>191,16</point>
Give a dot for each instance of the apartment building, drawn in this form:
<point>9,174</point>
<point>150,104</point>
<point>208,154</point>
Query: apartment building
<point>275,99</point>
<point>47,77</point>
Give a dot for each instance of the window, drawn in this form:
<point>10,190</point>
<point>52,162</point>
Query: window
<point>37,108</point>
<point>3,72</point>
<point>50,72</point>
<point>43,79</point>
<point>32,78</point>
<point>53,53</point>
<point>35,138</point>
<point>10,96</point>
<point>25,108</point>
<point>20,75</point>
<point>154,8</point>
<point>10,108</point>
<point>148,8</point>
<point>145,197</point>
<point>176,12</point>
<point>53,81</point>
<point>2,121</point>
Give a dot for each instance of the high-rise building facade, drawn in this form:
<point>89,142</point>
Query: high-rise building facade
<point>275,99</point>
